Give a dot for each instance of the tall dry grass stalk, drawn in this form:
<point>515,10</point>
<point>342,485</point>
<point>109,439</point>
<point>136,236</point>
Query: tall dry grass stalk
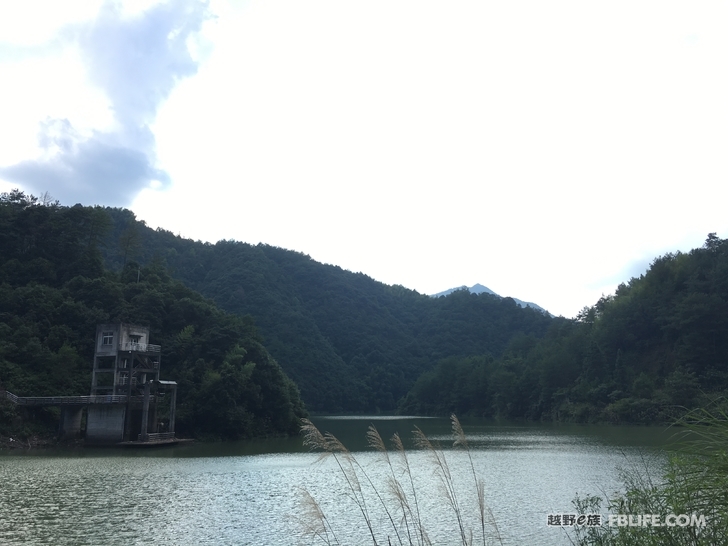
<point>484,510</point>
<point>403,523</point>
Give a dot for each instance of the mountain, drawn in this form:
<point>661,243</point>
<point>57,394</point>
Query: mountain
<point>54,290</point>
<point>645,354</point>
<point>475,289</point>
<point>480,289</point>
<point>350,343</point>
<point>347,341</point>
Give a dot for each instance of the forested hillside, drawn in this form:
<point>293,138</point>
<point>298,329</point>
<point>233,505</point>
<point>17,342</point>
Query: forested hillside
<point>349,342</point>
<point>54,290</point>
<point>659,344</point>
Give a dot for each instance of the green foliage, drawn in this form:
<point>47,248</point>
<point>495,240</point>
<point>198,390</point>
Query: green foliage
<point>53,293</point>
<point>353,344</point>
<point>455,385</point>
<point>695,483</point>
<point>349,342</point>
<point>248,395</point>
<point>642,355</point>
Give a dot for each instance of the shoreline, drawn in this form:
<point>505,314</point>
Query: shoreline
<point>37,442</point>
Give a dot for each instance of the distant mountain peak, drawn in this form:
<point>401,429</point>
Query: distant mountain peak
<point>475,289</point>
<point>480,289</point>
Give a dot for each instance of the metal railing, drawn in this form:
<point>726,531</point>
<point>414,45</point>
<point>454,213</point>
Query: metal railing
<point>147,365</point>
<point>157,436</point>
<point>73,400</point>
<point>140,347</point>
<point>10,396</point>
<point>64,400</point>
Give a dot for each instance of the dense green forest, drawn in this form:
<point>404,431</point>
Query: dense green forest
<point>354,344</point>
<point>55,289</point>
<point>659,344</point>
<point>349,342</point>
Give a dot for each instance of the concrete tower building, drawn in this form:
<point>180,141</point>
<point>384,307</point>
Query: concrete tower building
<point>126,367</point>
<point>123,359</point>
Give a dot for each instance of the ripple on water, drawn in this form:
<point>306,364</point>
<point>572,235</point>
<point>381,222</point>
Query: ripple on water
<point>243,499</point>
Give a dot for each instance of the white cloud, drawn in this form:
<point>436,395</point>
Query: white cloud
<point>98,94</point>
<point>541,149</point>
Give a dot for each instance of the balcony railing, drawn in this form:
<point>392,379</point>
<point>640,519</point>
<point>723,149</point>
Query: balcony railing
<point>140,347</point>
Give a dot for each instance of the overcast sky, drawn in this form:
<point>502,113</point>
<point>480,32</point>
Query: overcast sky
<point>548,150</point>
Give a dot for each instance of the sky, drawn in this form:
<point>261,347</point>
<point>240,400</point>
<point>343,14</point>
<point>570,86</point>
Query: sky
<point>547,150</point>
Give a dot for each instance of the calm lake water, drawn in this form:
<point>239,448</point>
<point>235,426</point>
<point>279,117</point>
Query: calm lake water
<point>250,493</point>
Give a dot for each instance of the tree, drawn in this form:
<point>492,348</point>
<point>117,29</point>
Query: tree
<point>129,241</point>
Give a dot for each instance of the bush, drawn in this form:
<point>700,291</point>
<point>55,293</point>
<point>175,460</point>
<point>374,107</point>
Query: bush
<point>695,482</point>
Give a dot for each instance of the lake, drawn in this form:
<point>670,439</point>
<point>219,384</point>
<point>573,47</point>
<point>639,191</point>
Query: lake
<point>250,492</point>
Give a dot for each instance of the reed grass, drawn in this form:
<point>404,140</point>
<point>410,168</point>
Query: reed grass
<point>399,498</point>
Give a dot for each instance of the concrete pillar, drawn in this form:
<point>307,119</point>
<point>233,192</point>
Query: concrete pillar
<point>105,423</point>
<point>145,413</point>
<point>173,408</point>
<point>70,426</point>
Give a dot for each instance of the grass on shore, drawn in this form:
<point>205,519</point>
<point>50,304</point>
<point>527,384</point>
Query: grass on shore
<point>695,482</point>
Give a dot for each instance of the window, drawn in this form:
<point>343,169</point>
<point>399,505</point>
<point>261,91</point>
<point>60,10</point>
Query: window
<point>107,338</point>
<point>135,339</point>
